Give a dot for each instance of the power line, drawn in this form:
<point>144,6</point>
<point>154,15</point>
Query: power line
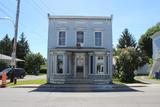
<point>48,8</point>
<point>6,13</point>
<point>6,8</point>
<point>37,8</point>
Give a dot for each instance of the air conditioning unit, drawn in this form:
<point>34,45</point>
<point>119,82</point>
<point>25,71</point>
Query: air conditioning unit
<point>78,45</point>
<point>81,44</point>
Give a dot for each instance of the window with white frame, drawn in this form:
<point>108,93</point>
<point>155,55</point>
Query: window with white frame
<point>98,38</point>
<point>80,37</point>
<point>60,64</point>
<point>100,64</point>
<point>62,38</point>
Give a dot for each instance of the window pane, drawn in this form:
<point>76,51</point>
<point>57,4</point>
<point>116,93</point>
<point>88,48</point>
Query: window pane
<point>62,35</point>
<point>80,37</point>
<point>100,65</point>
<point>91,61</point>
<point>98,38</point>
<point>60,64</point>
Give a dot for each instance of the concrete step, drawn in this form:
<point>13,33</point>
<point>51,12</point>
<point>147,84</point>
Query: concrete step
<point>79,80</point>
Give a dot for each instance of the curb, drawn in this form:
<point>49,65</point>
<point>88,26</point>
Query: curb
<point>81,86</point>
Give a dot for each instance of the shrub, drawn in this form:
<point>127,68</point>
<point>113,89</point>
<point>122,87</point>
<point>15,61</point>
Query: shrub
<point>127,61</point>
<point>43,71</point>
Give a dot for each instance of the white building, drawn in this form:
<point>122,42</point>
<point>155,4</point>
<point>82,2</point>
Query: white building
<point>79,49</point>
<point>156,53</point>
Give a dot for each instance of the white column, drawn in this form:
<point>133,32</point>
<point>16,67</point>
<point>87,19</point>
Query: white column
<point>65,63</point>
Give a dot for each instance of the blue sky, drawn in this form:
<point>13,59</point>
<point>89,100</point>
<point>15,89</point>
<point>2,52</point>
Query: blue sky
<point>136,15</point>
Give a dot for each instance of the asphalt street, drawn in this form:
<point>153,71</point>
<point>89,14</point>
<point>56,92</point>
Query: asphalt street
<point>46,97</point>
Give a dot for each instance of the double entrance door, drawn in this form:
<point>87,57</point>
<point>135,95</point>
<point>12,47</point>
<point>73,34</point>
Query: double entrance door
<point>79,65</point>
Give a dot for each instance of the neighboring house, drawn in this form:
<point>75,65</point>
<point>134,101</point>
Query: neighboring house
<point>156,53</point>
<point>143,70</point>
<point>8,59</point>
<point>156,45</point>
<point>79,49</point>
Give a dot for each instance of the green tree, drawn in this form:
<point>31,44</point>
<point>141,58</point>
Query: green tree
<point>126,40</point>
<point>22,49</point>
<point>3,65</point>
<point>33,62</point>
<point>6,46</point>
<point>145,42</point>
<point>126,63</point>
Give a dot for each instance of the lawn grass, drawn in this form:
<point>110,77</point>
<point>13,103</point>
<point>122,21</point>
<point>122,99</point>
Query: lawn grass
<point>117,81</point>
<point>154,79</point>
<point>28,82</point>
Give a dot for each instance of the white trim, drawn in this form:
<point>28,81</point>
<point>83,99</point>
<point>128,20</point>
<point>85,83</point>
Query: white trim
<point>94,42</point>
<point>75,72</point>
<point>81,17</point>
<point>68,62</point>
<point>65,38</point>
<point>108,57</point>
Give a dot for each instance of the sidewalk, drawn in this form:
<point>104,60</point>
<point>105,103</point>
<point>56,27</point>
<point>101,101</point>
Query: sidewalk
<point>146,80</point>
<point>83,87</point>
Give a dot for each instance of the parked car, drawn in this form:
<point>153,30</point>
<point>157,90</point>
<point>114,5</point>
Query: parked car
<point>18,72</point>
<point>8,72</point>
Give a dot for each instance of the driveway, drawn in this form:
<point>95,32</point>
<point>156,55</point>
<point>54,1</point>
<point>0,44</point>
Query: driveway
<point>145,79</point>
<point>34,77</point>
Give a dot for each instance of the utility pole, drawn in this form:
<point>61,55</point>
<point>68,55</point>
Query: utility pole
<point>15,35</point>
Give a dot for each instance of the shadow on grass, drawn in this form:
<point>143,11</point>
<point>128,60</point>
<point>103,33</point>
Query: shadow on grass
<point>84,88</point>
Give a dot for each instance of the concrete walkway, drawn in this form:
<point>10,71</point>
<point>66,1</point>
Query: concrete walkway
<point>34,77</point>
<point>145,79</point>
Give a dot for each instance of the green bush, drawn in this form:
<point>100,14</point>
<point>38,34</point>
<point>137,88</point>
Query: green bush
<point>127,61</point>
<point>43,71</point>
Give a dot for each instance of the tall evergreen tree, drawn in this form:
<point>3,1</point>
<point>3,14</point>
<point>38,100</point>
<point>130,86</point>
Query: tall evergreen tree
<point>6,46</point>
<point>22,49</point>
<point>126,40</point>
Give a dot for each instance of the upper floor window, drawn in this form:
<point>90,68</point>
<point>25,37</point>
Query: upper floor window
<point>62,38</point>
<point>80,37</point>
<point>98,38</point>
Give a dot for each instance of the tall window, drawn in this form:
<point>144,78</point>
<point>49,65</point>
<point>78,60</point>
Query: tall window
<point>98,38</point>
<point>91,64</point>
<point>80,37</point>
<point>60,64</point>
<point>62,36</point>
<point>99,64</point>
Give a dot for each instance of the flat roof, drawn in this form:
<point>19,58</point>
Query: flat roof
<point>80,17</point>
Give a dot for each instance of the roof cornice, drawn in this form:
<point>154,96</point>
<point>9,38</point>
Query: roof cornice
<point>80,17</point>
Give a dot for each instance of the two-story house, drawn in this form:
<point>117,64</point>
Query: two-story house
<point>79,49</point>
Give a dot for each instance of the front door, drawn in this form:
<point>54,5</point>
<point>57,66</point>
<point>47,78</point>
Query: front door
<point>80,63</point>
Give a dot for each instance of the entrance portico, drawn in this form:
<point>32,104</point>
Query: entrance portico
<point>80,64</point>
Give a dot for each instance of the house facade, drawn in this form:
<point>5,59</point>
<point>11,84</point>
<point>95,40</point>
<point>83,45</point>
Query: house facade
<point>79,49</point>
<point>156,45</point>
<point>156,53</point>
